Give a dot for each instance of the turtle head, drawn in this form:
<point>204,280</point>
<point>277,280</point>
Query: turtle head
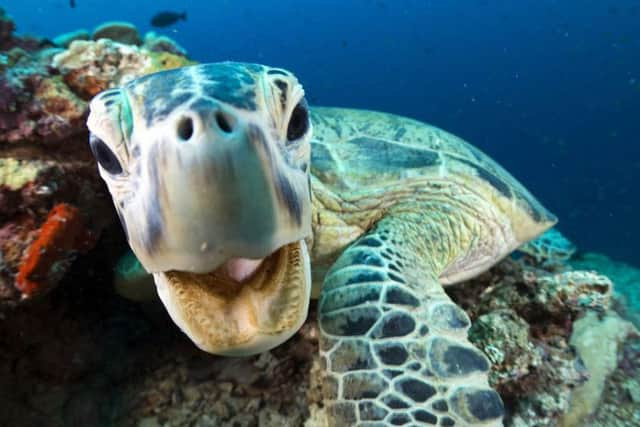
<point>208,167</point>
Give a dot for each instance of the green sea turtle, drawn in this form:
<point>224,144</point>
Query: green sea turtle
<point>238,198</point>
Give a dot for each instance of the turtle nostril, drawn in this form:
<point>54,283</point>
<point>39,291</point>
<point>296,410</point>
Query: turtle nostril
<point>185,128</point>
<point>225,123</point>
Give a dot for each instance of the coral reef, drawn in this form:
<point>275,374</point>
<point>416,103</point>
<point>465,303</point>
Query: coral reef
<point>620,405</point>
<point>52,202</point>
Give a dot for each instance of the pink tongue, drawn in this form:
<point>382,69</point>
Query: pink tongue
<point>240,269</point>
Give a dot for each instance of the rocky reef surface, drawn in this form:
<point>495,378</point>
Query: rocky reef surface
<point>560,334</point>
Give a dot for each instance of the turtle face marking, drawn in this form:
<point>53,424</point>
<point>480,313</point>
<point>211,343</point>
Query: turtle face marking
<point>212,163</point>
<point>230,83</point>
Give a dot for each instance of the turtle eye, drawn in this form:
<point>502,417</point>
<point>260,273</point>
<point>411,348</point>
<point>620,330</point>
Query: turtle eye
<point>299,122</point>
<point>105,157</point>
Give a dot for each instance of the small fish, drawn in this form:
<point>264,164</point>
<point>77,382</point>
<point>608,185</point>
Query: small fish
<point>72,3</point>
<point>166,18</point>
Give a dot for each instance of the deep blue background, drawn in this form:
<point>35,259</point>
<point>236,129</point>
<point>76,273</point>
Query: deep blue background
<point>550,89</point>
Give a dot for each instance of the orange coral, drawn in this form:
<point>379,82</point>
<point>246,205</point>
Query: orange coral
<point>62,234</point>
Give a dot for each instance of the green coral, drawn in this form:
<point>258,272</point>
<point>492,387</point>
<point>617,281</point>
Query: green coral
<point>15,174</point>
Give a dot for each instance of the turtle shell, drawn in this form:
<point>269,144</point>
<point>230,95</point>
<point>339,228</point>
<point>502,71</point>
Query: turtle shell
<point>356,151</point>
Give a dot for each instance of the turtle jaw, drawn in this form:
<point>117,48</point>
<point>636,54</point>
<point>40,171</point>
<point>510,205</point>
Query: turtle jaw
<point>226,317</point>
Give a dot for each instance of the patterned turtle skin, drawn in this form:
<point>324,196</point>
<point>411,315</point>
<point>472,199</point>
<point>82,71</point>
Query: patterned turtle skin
<point>391,210</point>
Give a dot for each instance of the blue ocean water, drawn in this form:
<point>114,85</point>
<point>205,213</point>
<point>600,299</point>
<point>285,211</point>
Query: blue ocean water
<point>550,89</point>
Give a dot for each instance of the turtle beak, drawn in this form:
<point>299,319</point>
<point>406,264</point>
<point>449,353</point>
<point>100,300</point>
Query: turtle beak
<point>225,317</point>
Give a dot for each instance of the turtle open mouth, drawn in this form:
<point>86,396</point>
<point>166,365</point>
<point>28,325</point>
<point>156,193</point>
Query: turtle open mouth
<point>244,306</point>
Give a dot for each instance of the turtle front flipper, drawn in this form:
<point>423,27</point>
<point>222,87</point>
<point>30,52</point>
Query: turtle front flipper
<point>394,346</point>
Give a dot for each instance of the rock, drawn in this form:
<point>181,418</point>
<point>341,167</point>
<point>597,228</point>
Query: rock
<point>618,407</point>
<point>65,39</point>
<point>121,32</point>
<point>598,342</point>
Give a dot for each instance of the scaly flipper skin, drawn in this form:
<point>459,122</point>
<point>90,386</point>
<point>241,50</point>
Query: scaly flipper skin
<point>393,344</point>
